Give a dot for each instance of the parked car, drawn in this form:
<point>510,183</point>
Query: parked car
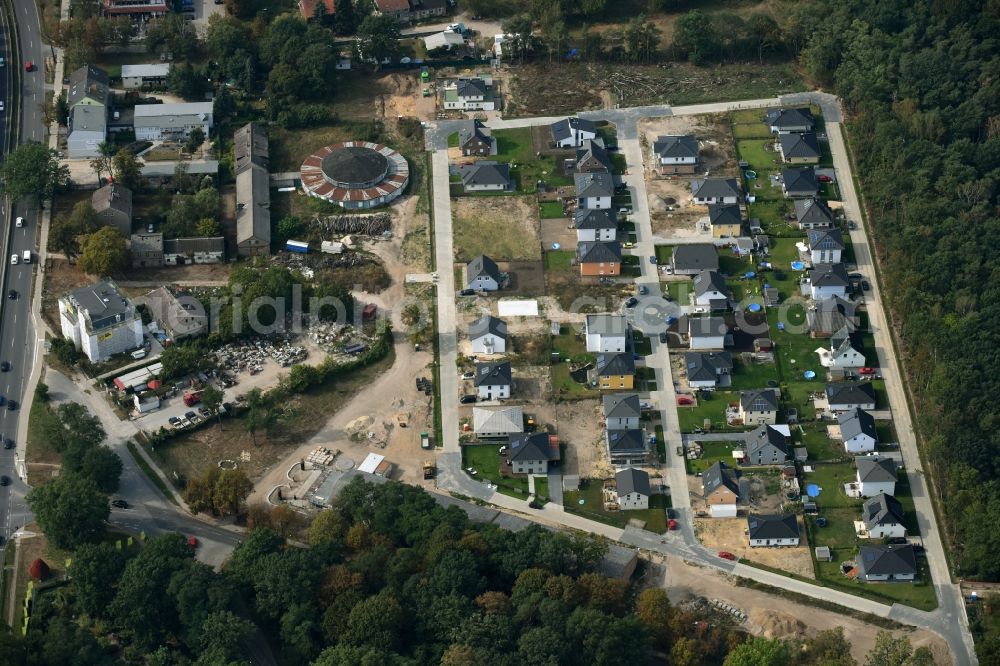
<point>190,416</point>
<point>4,480</point>
<point>663,337</point>
<point>867,371</point>
<point>119,504</point>
<point>726,555</point>
<point>823,178</point>
<point>852,225</point>
<point>643,290</point>
<point>671,524</point>
<point>652,260</point>
<point>631,301</point>
<point>897,541</point>
<point>174,420</point>
<point>467,399</point>
<point>467,292</point>
<point>468,375</point>
<point>669,320</point>
<point>865,285</point>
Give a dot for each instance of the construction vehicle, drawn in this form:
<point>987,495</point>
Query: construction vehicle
<point>429,469</point>
<point>425,440</point>
<point>192,398</point>
<point>530,423</point>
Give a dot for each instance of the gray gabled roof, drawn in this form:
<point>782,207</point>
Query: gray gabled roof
<point>676,146</point>
<point>470,129</point>
<point>721,474</point>
<point>593,185</point>
<point>856,422</point>
<point>829,275</point>
<point>825,239</point>
<point>875,469</point>
<point>841,340</point>
<point>764,437</point>
<point>832,314</point>
<point>562,129</point>
<point>493,374</point>
<point>593,218</point>
<point>608,325</point>
<point>719,214</point>
<point>253,196</point>
<point>813,211</point>
<point>498,419</point>
<point>216,244</point>
<point>702,256</point>
<point>783,526</point>
<point>250,147</point>
<point>471,88</point>
<point>486,173</point>
<point>626,441</point>
<point>714,188</point>
<point>892,560</point>
<point>882,510</point>
<point>705,366</point>
<point>798,145</point>
<point>615,363</point>
<point>621,406</point>
<point>488,325</point>
<point>112,196</point>
<point>599,252</point>
<point>850,393</point>
<point>801,181</point>
<point>759,400</point>
<point>482,266</point>
<point>707,281</point>
<point>699,327</point>
<point>530,447</point>
<point>631,480</point>
<point>594,148</point>
<point>798,117</point>
<point>88,81</point>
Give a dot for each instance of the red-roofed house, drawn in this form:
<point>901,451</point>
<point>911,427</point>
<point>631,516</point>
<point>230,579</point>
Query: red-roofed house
<point>308,8</point>
<point>400,9</point>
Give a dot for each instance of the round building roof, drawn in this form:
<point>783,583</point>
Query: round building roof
<point>354,166</point>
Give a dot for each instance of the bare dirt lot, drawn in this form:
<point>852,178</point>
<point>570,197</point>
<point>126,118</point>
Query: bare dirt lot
<point>60,278</point>
<point>730,534</point>
<point>189,275</point>
<point>388,96</point>
<point>576,424</point>
<point>684,581</point>
<point>672,212</point>
<point>505,228</point>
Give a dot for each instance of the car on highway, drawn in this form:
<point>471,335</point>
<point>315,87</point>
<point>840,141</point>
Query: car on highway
<point>12,295</point>
<point>2,400</point>
<point>13,260</point>
<point>8,444</point>
<point>29,65</point>
<point>4,366</point>
<point>1,105</point>
<point>1,62</point>
<point>726,555</point>
<point>4,480</point>
<point>119,504</point>
<point>11,405</point>
<point>19,222</point>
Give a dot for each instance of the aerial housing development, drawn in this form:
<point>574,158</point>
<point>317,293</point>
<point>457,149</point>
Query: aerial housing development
<point>311,306</point>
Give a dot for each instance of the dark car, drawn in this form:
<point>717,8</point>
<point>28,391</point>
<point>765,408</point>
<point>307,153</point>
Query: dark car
<point>852,225</point>
<point>643,290</point>
<point>190,415</point>
<point>631,301</point>
<point>467,399</point>
<point>8,444</point>
<point>663,337</point>
<point>4,366</point>
<point>652,260</point>
<point>2,400</point>
<point>204,412</point>
<point>12,405</point>
<point>467,292</point>
<point>12,295</point>
<point>4,480</point>
<point>174,420</point>
<point>865,285</point>
<point>119,503</point>
<point>897,541</point>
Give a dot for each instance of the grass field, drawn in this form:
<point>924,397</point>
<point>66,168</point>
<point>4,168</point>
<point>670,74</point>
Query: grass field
<point>711,453</point>
<point>568,346</point>
<point>820,447</point>
<point>564,387</point>
<point>752,375</point>
<point>503,228</point>
<point>713,409</point>
<point>486,461</point>
<point>514,146</point>
<point>549,210</point>
<point>591,492</point>
<point>831,479</point>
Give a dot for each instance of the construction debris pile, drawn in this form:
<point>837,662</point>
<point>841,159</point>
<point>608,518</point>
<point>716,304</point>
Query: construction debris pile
<point>319,261</point>
<point>321,456</point>
<point>251,354</point>
<point>368,225</point>
<point>332,337</point>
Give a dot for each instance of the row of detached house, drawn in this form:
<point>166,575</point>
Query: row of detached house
<point>401,10</point>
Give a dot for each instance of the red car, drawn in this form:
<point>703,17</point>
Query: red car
<point>726,555</point>
<point>28,65</point>
<point>671,524</point>
<point>193,542</point>
<point>825,179</point>
<point>867,371</point>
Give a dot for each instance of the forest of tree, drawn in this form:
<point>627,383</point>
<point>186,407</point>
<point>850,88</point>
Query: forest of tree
<point>388,577</point>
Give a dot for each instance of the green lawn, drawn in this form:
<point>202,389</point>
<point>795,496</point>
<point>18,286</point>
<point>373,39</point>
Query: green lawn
<point>691,417</point>
<point>680,291</point>
<point>796,395</point>
<point>568,346</point>
<point>559,260</point>
<point>453,140</point>
<point>772,217</point>
<point>813,436</point>
<point>618,164</point>
<point>713,452</point>
<point>564,387</point>
<point>730,264</point>
<point>885,432</point>
<point>550,210</point>
<point>514,147</point>
<point>905,497</point>
<point>591,491</point>
<point>486,461</point>
<point>761,160</point>
<point>608,134</point>
<point>783,251</point>
<point>754,130</point>
<point>749,117</point>
<point>751,375</point>
<point>541,488</point>
<point>831,477</point>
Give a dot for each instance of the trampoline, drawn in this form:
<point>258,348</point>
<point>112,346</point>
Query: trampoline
<point>750,174</point>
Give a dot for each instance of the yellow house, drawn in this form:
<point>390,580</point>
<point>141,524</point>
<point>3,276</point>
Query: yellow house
<point>615,371</point>
<point>725,220</point>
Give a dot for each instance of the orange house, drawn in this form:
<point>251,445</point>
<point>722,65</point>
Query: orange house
<point>599,258</point>
<point>616,371</point>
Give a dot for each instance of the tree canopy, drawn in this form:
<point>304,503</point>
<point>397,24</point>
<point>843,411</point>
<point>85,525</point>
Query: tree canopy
<point>33,171</point>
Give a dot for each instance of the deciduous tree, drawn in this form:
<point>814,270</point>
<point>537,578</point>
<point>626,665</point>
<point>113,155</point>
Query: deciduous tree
<point>104,252</point>
<point>33,171</point>
<point>70,509</point>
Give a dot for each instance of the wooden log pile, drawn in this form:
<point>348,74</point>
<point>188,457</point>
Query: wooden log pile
<point>367,225</point>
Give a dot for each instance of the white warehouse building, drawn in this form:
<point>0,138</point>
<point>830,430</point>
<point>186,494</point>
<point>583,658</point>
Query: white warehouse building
<point>164,122</point>
<point>100,321</point>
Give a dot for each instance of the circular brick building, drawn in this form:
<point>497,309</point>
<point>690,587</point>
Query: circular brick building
<point>355,174</point>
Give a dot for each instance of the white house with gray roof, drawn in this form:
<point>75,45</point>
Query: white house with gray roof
<point>88,127</point>
<point>882,517</point>
<point>594,190</point>
<point>497,422</point>
<point>493,380</point>
<point>627,447</point>
<point>572,132</point>
<point>594,225</point>
<point>694,258</point>
<point>145,75</point>
<point>100,321</point>
<point>482,274</point>
<point>486,177</point>
<point>894,563</point>
<point>857,430</point>
<point>488,335</point>
<point>622,411</point>
<point>172,122</point>
<point>759,406</point>
<point>708,370</point>
<point>773,531</point>
<point>707,332</point>
<point>710,291</point>
<point>825,245</point>
<point>723,490</point>
<point>632,488</point>
<point>799,148</point>
<point>844,396</point>
<point>813,213</point>
<point>782,121</point>
<point>676,153</point>
<point>876,474</point>
<point>469,94</point>
<point>531,453</point>
<point>606,333</point>
<point>843,354</point>
<point>826,281</point>
<point>715,191</point>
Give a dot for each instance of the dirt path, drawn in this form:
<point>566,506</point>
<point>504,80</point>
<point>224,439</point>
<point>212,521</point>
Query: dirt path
<point>684,581</point>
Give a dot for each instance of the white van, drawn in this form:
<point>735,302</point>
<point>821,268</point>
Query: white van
<point>19,223</point>
<point>26,258</point>
<point>13,260</point>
